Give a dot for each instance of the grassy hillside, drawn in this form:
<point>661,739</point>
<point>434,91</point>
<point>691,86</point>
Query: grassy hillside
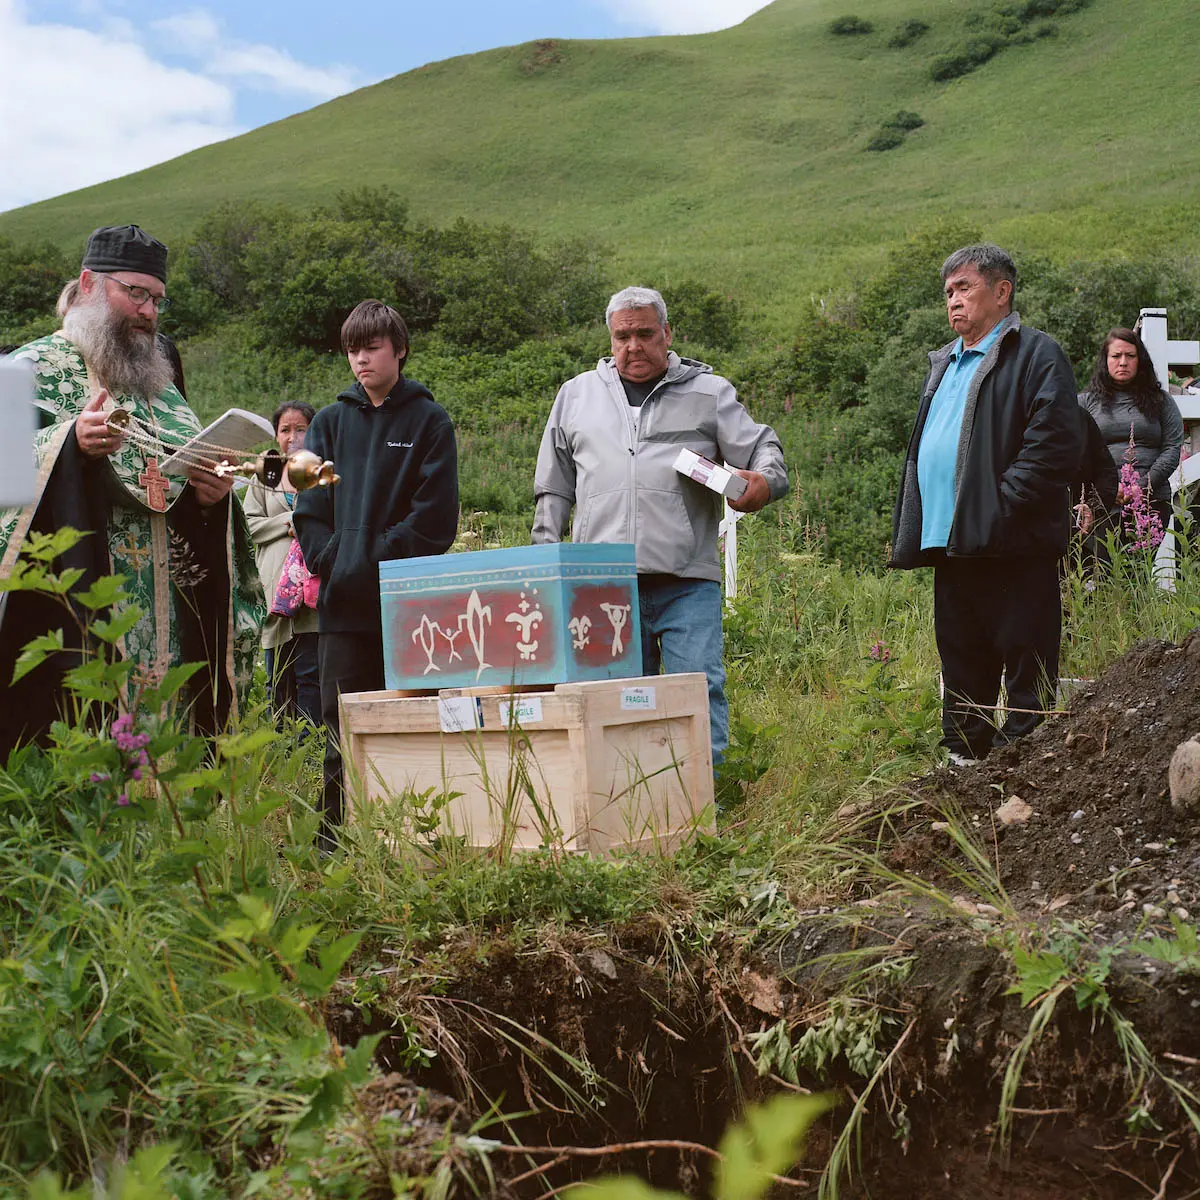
<point>740,156</point>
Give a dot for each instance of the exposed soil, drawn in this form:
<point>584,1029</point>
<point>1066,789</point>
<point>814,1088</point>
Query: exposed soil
<point>660,1040</point>
<point>1103,840</point>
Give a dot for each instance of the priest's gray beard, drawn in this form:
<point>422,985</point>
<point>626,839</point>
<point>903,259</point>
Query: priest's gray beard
<point>123,353</point>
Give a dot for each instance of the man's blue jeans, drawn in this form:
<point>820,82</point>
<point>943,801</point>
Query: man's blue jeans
<point>681,631</point>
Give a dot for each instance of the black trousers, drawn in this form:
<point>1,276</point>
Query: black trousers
<point>995,618</point>
<point>294,680</point>
<point>349,662</point>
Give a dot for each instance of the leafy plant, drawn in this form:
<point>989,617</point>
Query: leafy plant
<point>850,26</point>
<point>886,139</point>
<point>768,1140</point>
<point>908,33</point>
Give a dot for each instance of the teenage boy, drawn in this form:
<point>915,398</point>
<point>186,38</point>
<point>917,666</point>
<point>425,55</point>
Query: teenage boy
<point>394,449</point>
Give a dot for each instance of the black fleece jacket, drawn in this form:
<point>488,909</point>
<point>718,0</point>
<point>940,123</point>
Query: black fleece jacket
<point>398,497</point>
<point>1019,451</point>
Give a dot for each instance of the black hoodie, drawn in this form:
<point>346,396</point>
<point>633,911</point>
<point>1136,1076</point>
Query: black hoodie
<point>398,497</point>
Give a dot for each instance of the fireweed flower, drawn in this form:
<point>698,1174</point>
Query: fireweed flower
<point>1142,523</point>
<point>123,735</point>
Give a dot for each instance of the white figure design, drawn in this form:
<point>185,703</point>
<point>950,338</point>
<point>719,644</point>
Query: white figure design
<point>451,638</point>
<point>425,633</point>
<point>526,621</point>
<point>473,619</point>
<point>618,614</point>
<point>579,627</point>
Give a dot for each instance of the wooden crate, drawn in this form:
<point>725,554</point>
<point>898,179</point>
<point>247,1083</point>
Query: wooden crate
<point>602,766</point>
<point>524,615</point>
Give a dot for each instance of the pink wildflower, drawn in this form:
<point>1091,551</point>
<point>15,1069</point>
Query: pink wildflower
<point>1142,523</point>
<point>136,774</point>
<point>123,735</point>
<point>879,652</point>
<point>122,801</point>
<point>100,777</point>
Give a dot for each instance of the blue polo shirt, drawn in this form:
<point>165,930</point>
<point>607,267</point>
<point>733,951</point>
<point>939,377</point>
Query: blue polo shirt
<point>937,455</point>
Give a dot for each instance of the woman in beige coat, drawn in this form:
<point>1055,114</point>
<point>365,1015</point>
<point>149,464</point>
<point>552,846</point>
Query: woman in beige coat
<point>290,643</point>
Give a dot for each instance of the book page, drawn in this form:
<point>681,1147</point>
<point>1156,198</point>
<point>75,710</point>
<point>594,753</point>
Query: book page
<point>235,432</point>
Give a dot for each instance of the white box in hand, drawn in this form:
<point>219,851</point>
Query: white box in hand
<point>714,477</point>
<point>17,420</point>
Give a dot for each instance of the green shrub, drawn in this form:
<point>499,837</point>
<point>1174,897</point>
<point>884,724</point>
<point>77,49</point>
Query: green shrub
<point>908,33</point>
<point>905,120</point>
<point>885,139</point>
<point>911,277</point>
<point>850,26</point>
<point>833,355</point>
<point>966,58</point>
<point>31,278</point>
<point>699,314</point>
<point>300,274</point>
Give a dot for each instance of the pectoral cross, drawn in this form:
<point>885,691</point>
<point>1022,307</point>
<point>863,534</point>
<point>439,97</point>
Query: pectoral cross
<point>156,485</point>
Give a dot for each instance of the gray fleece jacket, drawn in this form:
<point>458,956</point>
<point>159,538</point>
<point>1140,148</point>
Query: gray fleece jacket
<point>615,464</point>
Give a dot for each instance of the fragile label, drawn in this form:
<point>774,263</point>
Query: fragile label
<point>521,712</point>
<point>638,698</point>
<point>458,714</point>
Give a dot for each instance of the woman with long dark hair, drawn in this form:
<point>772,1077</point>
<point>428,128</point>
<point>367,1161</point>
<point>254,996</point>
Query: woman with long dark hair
<point>290,634</point>
<point>1140,422</point>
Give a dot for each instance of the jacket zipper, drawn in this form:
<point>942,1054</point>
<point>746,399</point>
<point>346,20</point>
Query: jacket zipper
<point>637,427</point>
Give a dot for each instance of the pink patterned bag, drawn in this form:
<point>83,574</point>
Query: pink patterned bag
<point>297,587</point>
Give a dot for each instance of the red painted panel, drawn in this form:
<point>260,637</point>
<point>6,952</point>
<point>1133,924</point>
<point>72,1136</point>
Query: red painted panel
<point>601,621</point>
<point>507,627</point>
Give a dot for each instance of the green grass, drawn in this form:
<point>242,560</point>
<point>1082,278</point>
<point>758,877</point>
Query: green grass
<point>739,156</point>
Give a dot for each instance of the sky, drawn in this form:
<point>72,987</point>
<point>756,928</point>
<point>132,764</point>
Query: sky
<point>94,89</point>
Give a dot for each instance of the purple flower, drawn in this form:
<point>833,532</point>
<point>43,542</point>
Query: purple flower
<point>122,801</point>
<point>1142,523</point>
<point>136,774</point>
<point>100,777</point>
<point>879,652</point>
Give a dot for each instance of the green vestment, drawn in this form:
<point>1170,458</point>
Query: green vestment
<point>156,551</point>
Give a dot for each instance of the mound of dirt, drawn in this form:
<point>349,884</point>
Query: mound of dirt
<point>1096,834</point>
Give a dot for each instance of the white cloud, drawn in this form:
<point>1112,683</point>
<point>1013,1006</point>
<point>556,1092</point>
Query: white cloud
<point>198,35</point>
<point>683,16</point>
<point>195,31</point>
<point>277,71</point>
<point>82,105</point>
<point>78,107</point>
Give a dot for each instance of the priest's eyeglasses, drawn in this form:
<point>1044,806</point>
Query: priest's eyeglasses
<point>139,295</point>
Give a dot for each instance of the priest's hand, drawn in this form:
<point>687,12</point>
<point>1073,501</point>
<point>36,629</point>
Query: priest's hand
<point>210,489</point>
<point>96,439</point>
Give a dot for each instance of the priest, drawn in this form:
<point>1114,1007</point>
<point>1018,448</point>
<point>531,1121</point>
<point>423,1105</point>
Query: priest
<point>181,542</point>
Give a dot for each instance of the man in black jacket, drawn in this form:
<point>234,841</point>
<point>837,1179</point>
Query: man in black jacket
<point>395,450</point>
<point>985,500</point>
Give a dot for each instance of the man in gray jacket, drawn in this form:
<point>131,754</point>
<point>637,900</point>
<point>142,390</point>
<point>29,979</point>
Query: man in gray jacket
<point>609,449</point>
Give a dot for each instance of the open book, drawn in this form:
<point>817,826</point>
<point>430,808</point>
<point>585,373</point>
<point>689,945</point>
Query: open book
<point>234,432</point>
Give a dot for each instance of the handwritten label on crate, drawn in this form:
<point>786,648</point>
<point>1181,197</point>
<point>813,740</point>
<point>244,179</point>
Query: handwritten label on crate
<point>458,714</point>
<point>638,699</point>
<point>522,712</point>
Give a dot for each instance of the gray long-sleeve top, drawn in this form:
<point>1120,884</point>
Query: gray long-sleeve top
<point>1156,440</point>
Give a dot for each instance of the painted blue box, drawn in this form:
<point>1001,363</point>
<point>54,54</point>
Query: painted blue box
<point>550,614</point>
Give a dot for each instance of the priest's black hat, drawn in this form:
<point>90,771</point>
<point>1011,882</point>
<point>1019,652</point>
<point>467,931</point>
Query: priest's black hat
<point>126,248</point>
